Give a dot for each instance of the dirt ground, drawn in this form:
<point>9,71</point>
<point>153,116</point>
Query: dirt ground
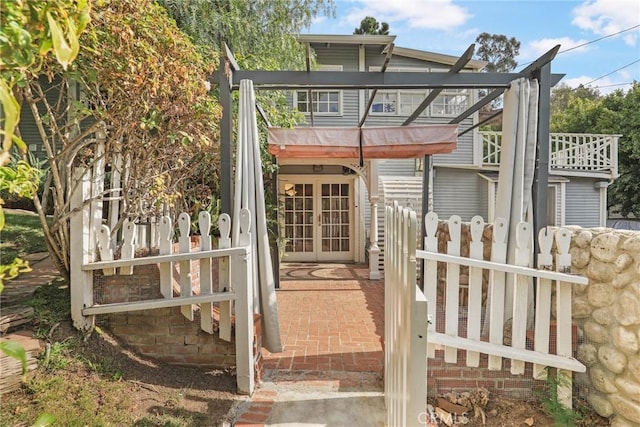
<point>127,389</point>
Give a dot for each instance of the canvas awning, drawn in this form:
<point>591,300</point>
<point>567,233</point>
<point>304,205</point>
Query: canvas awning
<point>406,142</point>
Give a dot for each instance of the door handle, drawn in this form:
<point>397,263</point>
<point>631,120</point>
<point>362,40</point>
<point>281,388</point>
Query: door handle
<point>319,220</point>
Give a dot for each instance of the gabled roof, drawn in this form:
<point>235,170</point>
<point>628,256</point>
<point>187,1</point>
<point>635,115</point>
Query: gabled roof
<point>439,58</point>
<point>377,40</point>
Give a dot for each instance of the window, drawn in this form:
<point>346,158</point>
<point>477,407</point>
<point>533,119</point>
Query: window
<point>450,102</point>
<point>323,102</point>
<point>398,102</point>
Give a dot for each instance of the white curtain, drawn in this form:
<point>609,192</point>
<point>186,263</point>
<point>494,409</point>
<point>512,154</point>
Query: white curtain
<point>517,166</point>
<point>249,193</point>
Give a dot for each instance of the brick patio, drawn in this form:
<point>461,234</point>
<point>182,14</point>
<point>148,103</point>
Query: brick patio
<point>331,325</point>
<point>331,319</point>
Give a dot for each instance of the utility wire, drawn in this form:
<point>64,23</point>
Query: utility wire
<point>597,40</point>
<point>614,71</point>
<point>592,41</point>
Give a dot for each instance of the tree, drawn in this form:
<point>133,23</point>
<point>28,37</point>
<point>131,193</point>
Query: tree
<point>499,51</point>
<point>562,94</point>
<point>32,34</point>
<point>370,25</point>
<point>142,88</point>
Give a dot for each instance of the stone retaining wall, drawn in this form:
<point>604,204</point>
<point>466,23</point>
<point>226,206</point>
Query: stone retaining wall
<point>607,312</point>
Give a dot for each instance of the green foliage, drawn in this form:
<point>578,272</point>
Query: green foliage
<point>16,350</point>
<point>370,25</point>
<point>562,416</point>
<point>499,51</point>
<point>30,31</point>
<point>51,304</point>
<point>22,236</point>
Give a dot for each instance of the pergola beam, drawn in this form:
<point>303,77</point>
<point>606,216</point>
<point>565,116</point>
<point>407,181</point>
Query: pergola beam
<point>455,69</point>
<point>340,80</point>
<point>375,91</point>
<point>543,60</point>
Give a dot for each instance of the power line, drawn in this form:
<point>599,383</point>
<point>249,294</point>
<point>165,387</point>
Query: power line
<point>592,41</point>
<point>603,86</point>
<point>597,40</point>
<point>614,71</point>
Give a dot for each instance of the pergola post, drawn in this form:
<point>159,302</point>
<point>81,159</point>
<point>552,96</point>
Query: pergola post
<point>541,174</point>
<point>374,250</point>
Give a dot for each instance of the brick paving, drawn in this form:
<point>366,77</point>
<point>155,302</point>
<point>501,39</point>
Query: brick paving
<point>331,323</point>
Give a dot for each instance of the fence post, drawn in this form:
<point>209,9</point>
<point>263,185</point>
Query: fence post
<point>474,303</point>
<point>521,285</point>
<point>184,245</point>
<point>453,288</point>
<point>166,268</point>
<point>543,301</point>
<point>431,275</point>
<point>417,362</point>
<point>206,283</point>
<point>564,339</point>
<point>128,248</point>
<point>497,290</point>
<point>226,307</point>
<point>241,279</point>
<point>104,246</point>
<point>81,252</point>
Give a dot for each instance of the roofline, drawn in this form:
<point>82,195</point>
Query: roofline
<point>346,39</point>
<point>440,58</point>
<point>367,39</point>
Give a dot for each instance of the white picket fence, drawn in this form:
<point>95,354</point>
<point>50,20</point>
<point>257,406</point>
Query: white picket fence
<point>405,371</point>
<point>405,322</point>
<point>89,236</point>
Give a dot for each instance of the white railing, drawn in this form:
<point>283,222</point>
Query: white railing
<point>89,237</point>
<point>475,341</point>
<point>405,310</point>
<point>570,152</point>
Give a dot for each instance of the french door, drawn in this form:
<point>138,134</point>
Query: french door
<point>318,219</point>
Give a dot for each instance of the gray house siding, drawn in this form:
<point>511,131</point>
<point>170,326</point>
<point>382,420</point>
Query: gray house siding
<point>582,203</point>
<point>459,192</point>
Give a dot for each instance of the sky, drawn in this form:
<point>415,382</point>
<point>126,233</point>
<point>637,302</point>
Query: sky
<point>450,26</point>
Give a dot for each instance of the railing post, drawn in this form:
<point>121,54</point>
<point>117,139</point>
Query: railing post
<point>374,250</point>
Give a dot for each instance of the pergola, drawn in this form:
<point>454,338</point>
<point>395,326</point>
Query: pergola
<point>229,76</point>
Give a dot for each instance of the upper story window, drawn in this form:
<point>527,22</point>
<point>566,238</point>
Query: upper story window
<point>323,102</point>
<point>398,102</point>
<point>449,103</point>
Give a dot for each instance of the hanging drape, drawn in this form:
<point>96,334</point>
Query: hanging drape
<point>517,166</point>
<point>249,193</point>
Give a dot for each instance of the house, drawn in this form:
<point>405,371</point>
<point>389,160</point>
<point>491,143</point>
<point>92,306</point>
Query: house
<point>327,203</point>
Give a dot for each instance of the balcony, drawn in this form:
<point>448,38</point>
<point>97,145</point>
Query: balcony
<point>578,154</point>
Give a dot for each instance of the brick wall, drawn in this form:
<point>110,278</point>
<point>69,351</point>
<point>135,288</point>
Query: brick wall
<point>446,377</point>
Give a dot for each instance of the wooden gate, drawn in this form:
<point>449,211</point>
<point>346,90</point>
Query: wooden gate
<point>405,366</point>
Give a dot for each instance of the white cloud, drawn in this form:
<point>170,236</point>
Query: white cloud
<point>535,48</point>
<point>604,17</point>
<point>423,14</point>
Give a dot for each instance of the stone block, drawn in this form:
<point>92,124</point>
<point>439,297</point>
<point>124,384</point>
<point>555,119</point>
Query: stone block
<point>625,407</point>
<point>583,239</point>
<point>603,316</point>
<point>627,309</point>
<point>602,379</point>
<point>587,354</point>
<point>605,247</point>
<point>600,404</point>
<point>600,271</point>
<point>596,332</point>
<point>623,262</point>
<point>612,359</point>
<point>601,294</point>
<point>625,340</point>
<point>628,387</point>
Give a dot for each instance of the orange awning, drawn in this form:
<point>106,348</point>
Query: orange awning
<point>385,142</point>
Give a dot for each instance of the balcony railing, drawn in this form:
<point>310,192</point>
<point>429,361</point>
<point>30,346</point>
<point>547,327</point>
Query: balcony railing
<point>579,153</point>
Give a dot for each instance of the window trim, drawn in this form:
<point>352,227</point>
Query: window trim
<point>323,67</point>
